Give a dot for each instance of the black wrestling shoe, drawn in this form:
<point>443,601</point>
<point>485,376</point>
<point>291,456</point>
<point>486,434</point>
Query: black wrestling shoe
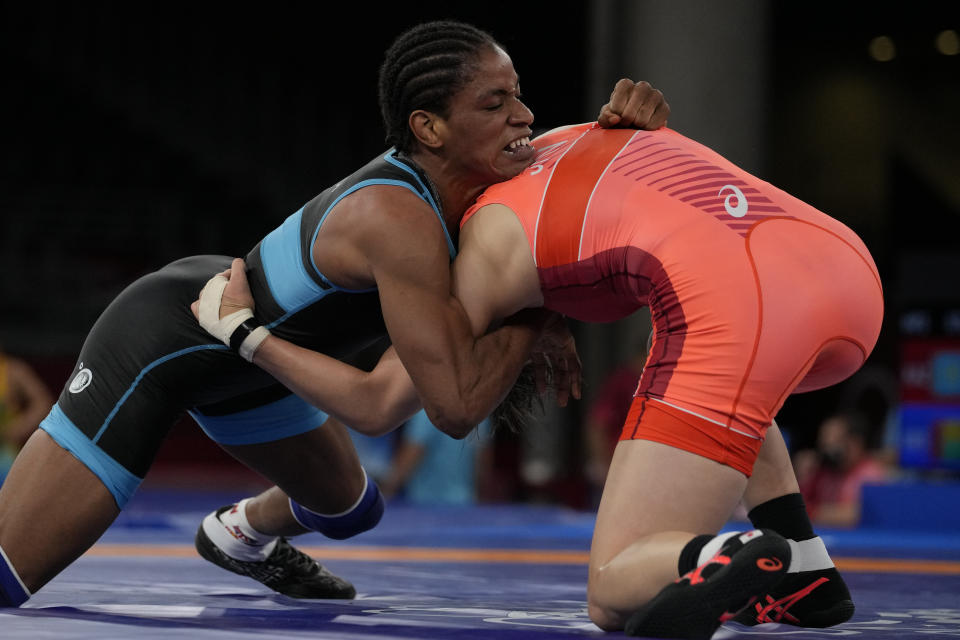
<point>287,570</point>
<point>694,606</point>
<point>806,599</point>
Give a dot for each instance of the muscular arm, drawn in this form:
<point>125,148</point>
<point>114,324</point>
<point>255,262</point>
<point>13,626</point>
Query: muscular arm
<point>372,403</point>
<point>494,274</point>
<point>460,378</point>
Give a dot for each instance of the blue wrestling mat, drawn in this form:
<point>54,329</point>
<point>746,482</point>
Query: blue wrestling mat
<point>458,574</point>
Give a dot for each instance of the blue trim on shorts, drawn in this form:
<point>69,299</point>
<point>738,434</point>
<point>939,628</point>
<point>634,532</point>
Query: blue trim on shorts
<point>289,416</point>
<point>145,371</point>
<point>119,482</point>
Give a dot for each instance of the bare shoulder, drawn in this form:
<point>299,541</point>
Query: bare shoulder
<point>373,228</point>
<point>384,209</point>
<point>391,215</point>
<point>399,235</point>
<point>493,240</point>
<point>384,204</point>
<point>495,230</point>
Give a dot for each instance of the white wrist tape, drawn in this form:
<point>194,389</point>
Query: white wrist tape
<point>252,342</point>
<point>219,328</point>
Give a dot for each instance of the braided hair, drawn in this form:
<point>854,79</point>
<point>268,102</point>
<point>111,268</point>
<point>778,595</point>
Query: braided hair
<point>423,69</point>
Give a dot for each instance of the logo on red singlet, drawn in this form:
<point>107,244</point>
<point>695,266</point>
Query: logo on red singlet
<point>736,210</point>
<point>544,155</point>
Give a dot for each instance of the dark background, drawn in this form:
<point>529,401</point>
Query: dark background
<point>136,134</point>
<point>133,137</point>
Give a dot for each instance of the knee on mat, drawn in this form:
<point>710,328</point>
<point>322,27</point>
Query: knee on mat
<point>603,617</point>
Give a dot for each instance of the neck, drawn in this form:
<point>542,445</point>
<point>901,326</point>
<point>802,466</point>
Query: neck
<point>456,190</point>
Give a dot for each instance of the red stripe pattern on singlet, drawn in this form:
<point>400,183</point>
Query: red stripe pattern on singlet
<point>696,181</point>
<point>568,195</point>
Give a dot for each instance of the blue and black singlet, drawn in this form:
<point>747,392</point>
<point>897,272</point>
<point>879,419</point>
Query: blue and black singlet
<point>147,360</point>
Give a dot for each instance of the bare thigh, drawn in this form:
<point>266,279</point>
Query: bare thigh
<point>319,469</point>
<point>773,474</point>
<point>52,509</point>
<point>656,498</point>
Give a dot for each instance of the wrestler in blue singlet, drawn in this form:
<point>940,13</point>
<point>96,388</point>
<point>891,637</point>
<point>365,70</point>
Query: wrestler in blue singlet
<point>146,360</point>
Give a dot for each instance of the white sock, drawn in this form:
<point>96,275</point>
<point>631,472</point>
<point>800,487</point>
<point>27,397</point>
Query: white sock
<point>805,555</point>
<point>232,533</point>
<point>808,555</point>
<point>711,548</point>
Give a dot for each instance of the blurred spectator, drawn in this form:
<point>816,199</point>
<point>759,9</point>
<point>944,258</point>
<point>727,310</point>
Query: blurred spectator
<point>874,391</point>
<point>605,419</point>
<point>431,468</point>
<point>24,402</point>
<point>832,476</point>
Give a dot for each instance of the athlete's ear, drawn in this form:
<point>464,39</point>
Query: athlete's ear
<point>427,127</point>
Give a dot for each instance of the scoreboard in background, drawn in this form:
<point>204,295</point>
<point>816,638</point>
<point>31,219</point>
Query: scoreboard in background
<point>930,389</point>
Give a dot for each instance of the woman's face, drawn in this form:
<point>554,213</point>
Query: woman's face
<point>487,133</point>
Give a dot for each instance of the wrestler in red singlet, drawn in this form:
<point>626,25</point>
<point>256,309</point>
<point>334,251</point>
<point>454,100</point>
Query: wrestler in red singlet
<point>753,293</point>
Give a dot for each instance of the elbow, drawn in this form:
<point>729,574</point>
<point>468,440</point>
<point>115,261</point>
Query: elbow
<point>458,430</point>
<point>457,423</point>
<point>371,426</point>
<point>457,411</point>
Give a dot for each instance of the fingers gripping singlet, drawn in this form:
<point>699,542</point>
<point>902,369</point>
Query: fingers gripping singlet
<point>753,293</point>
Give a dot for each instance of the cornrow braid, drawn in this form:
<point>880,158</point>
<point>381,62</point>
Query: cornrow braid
<point>423,69</point>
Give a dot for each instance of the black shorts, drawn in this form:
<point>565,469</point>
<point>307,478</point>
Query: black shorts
<point>147,361</point>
